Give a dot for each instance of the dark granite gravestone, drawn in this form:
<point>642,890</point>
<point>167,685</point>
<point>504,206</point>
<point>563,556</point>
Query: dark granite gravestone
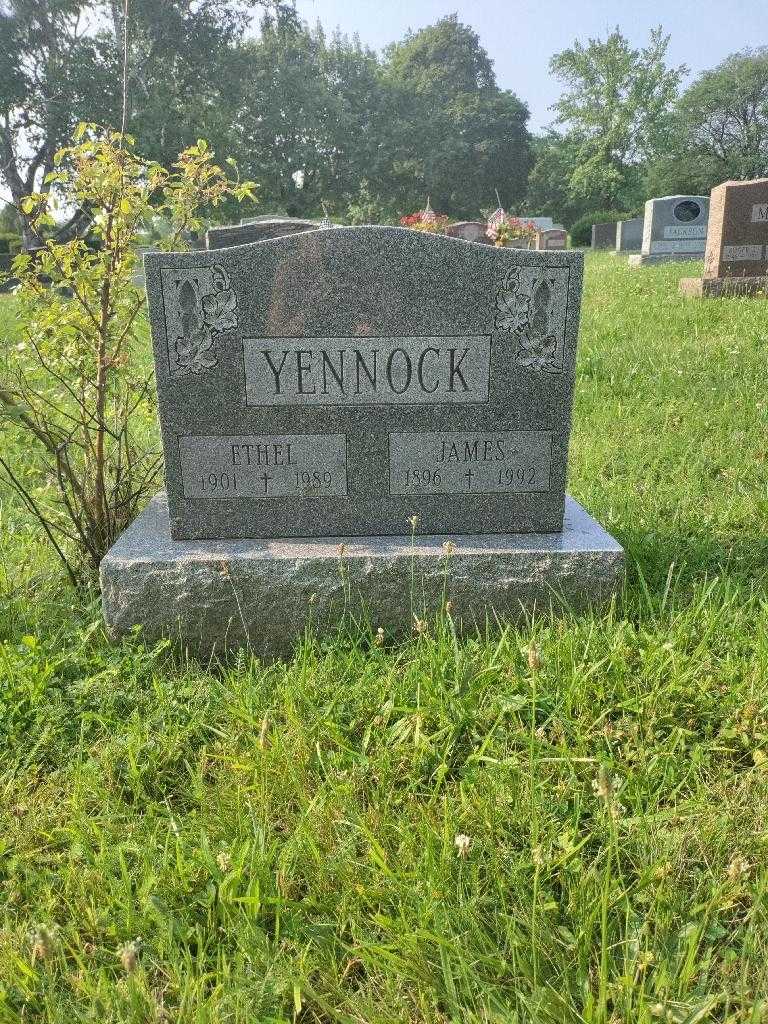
<point>358,383</point>
<point>335,383</point>
<point>674,228</point>
<point>629,235</point>
<point>736,257</point>
<point>604,235</point>
<point>256,230</point>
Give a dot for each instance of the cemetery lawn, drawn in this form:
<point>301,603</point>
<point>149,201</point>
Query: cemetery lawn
<point>562,823</point>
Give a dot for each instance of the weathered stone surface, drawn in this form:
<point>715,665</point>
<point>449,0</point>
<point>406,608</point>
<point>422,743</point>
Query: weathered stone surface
<point>291,372</point>
<point>256,229</point>
<point>470,231</point>
<point>604,235</point>
<point>674,229</point>
<point>551,238</point>
<point>264,594</point>
<point>724,287</point>
<point>629,235</point>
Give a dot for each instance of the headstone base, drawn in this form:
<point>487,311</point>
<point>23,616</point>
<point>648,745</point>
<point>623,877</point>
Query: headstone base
<point>265,594</point>
<point>650,260</point>
<point>719,287</point>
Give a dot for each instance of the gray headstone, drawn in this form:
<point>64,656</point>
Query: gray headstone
<point>604,235</point>
<point>470,231</point>
<point>629,235</point>
<point>256,231</point>
<point>674,228</point>
<point>337,383</point>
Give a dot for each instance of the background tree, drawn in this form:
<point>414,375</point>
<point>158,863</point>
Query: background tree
<point>311,117</point>
<point>458,136</point>
<point>54,73</point>
<point>720,128</point>
<point>555,159</point>
<point>62,64</point>
<point>615,110</point>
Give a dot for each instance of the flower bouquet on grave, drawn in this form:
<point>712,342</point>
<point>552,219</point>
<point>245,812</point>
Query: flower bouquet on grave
<point>504,230</point>
<point>426,220</point>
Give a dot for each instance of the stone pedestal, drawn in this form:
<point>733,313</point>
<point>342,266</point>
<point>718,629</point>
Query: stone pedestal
<point>264,594</point>
<point>723,287</point>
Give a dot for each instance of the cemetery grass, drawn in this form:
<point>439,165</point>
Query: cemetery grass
<point>564,822</point>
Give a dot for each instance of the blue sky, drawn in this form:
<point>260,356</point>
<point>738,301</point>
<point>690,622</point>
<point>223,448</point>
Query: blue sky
<point>521,35</point>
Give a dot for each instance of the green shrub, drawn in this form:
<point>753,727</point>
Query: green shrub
<point>76,387</point>
<point>581,230</point>
<point>10,242</point>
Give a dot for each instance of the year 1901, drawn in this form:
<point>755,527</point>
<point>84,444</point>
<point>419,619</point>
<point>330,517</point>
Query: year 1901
<point>218,482</point>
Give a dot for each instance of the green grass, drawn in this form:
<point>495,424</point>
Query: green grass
<point>282,839</point>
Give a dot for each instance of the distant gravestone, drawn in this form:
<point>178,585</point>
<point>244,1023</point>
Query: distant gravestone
<point>540,223</point>
<point>553,238</point>
<point>256,230</point>
<point>470,231</point>
<point>262,217</point>
<point>604,235</point>
<point>674,228</point>
<point>736,258</point>
<point>361,383</point>
<point>629,235</point>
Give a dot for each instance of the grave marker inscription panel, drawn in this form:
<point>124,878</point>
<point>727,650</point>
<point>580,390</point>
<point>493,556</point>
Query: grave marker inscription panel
<point>337,383</point>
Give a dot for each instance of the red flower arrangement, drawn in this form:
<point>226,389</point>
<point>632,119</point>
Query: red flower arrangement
<point>504,230</point>
<point>426,220</point>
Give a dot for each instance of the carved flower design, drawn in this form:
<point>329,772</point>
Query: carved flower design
<point>512,305</point>
<point>196,353</point>
<point>526,314</point>
<point>219,310</point>
<point>538,353</point>
<point>203,317</point>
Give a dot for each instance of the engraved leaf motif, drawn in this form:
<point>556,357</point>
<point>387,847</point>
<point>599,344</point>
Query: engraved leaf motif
<point>185,354</point>
<point>513,313</point>
<point>512,305</point>
<point>187,297</point>
<point>537,352</point>
<point>219,310</point>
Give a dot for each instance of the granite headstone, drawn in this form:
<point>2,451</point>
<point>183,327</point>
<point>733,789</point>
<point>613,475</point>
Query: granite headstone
<point>335,383</point>
<point>629,235</point>
<point>379,385</point>
<point>604,235</point>
<point>736,257</point>
<point>674,228</point>
<point>256,230</point>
